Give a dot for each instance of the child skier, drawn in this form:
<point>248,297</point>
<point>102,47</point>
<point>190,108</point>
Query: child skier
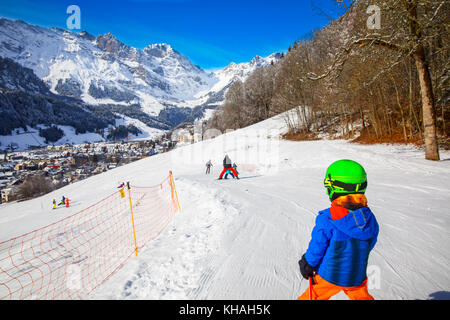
<point>342,238</point>
<point>54,204</point>
<point>235,168</point>
<point>67,202</point>
<point>63,201</point>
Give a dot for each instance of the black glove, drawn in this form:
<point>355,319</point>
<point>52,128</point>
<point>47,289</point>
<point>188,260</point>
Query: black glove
<point>305,269</point>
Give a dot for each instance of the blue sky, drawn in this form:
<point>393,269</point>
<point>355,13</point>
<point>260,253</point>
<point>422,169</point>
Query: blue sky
<point>211,33</point>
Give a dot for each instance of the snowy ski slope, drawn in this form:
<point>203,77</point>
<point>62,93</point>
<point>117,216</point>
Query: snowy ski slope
<point>242,239</point>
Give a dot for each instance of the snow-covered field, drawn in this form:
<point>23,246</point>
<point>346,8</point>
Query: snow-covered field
<point>32,138</point>
<point>242,239</point>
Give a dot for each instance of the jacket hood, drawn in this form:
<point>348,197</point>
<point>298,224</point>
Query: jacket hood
<point>360,224</point>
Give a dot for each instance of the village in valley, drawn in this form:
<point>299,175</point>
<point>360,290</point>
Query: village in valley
<point>39,170</point>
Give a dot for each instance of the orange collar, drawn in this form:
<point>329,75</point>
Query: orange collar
<point>338,212</point>
<point>340,207</point>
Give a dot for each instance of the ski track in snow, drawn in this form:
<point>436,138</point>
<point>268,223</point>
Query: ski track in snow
<point>243,239</point>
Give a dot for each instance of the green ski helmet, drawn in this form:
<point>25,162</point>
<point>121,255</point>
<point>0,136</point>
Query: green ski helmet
<point>345,177</point>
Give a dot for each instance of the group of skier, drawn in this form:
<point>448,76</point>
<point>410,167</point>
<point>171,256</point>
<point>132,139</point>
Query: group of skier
<point>229,168</point>
<point>64,202</point>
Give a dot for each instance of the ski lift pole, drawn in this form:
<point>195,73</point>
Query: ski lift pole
<point>132,219</point>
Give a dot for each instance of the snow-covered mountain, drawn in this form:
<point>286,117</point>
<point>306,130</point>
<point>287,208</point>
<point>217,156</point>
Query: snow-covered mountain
<point>233,72</point>
<point>156,85</point>
<point>102,69</point>
<point>242,70</point>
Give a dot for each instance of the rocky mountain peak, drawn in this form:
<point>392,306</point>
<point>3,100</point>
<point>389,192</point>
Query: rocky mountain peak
<point>159,50</point>
<point>109,43</point>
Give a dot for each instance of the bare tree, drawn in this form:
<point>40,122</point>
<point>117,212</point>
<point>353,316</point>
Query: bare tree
<point>392,81</point>
<point>410,26</point>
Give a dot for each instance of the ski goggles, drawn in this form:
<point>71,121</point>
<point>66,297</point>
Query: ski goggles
<point>344,186</point>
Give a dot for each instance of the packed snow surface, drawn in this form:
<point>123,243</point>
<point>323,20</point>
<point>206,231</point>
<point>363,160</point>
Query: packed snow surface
<point>243,239</point>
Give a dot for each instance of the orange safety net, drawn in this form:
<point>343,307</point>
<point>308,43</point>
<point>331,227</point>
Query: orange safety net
<point>72,257</point>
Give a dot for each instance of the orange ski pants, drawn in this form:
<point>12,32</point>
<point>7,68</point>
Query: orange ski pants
<point>323,290</point>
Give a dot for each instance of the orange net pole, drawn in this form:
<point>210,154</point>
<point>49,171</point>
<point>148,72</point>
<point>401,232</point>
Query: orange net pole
<point>132,218</point>
<point>174,189</point>
<point>70,258</point>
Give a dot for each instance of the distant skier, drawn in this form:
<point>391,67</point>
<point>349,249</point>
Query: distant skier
<point>208,167</point>
<point>227,166</point>
<point>342,238</point>
<point>67,202</point>
<point>63,201</point>
<point>54,204</point>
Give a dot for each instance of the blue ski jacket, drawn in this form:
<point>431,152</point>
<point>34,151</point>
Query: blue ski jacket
<point>340,245</point>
